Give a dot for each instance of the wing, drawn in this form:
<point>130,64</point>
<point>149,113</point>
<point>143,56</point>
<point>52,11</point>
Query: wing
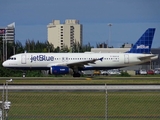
<point>76,63</point>
<point>82,63</point>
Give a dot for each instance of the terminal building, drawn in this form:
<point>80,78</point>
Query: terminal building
<point>66,34</point>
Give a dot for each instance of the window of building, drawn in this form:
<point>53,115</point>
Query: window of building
<point>72,27</point>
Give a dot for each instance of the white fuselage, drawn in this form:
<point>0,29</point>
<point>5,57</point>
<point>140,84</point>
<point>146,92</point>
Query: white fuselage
<point>44,61</point>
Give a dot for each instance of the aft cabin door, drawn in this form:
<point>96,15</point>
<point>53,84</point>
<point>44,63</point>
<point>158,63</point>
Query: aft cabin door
<point>23,59</point>
<point>126,59</point>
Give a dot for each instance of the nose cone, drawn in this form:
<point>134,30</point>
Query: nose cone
<point>4,64</point>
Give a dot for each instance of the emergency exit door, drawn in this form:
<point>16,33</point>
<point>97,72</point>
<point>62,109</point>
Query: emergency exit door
<point>126,58</point>
<point>23,59</point>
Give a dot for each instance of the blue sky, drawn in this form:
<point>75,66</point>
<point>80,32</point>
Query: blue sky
<point>129,18</point>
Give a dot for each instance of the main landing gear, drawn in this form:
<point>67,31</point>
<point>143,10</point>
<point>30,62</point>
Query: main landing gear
<point>76,74</point>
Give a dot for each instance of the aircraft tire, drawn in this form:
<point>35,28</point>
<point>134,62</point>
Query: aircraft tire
<point>76,75</point>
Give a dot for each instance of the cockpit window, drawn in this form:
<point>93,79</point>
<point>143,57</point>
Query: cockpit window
<point>12,58</point>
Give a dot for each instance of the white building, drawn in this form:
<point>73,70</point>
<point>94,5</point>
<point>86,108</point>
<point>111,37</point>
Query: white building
<point>64,34</point>
<point>8,33</point>
<point>8,36</point>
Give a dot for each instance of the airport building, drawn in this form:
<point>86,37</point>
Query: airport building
<point>8,36</point>
<point>8,33</point>
<point>61,35</point>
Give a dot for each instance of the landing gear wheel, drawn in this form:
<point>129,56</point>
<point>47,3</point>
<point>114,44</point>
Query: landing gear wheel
<point>76,74</point>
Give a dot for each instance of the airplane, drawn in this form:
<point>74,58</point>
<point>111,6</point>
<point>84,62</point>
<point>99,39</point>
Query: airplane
<point>73,63</point>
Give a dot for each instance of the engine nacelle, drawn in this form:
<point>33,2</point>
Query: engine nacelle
<point>60,70</point>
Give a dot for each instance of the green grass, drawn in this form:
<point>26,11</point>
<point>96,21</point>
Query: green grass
<point>134,103</point>
<point>83,80</point>
<point>90,105</point>
<point>56,104</point>
<point>84,105</point>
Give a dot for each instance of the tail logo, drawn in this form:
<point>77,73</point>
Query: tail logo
<point>144,43</point>
<point>142,47</point>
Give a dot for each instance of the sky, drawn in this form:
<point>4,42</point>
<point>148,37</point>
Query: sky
<point>129,19</point>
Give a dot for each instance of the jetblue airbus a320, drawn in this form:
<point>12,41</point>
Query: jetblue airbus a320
<point>64,63</point>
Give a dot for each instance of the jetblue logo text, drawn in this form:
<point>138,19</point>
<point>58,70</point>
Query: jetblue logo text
<point>142,47</point>
<point>42,58</point>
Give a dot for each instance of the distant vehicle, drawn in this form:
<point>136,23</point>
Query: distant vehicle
<point>88,72</point>
<point>104,72</point>
<point>157,71</point>
<point>150,72</point>
<point>143,72</point>
<point>137,72</point>
<point>114,72</point>
<point>97,72</point>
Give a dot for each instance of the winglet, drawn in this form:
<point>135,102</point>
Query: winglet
<point>143,45</point>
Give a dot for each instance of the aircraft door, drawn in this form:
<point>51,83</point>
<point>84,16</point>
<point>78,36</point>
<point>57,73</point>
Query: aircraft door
<point>126,58</point>
<point>23,59</point>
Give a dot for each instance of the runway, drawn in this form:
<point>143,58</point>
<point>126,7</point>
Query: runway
<point>81,87</point>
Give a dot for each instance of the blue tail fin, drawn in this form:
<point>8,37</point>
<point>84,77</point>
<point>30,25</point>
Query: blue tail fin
<point>143,45</point>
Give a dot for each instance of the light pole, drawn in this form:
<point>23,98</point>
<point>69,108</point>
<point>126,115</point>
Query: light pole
<point>6,44</point>
<point>6,48</point>
<point>7,103</point>
<point>14,49</point>
<point>110,25</point>
<point>7,88</point>
<point>4,38</point>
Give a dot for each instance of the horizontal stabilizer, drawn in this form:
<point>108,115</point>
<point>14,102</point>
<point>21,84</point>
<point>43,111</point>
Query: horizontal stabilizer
<point>150,57</point>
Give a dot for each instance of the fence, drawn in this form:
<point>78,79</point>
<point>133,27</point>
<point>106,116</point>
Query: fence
<point>84,105</point>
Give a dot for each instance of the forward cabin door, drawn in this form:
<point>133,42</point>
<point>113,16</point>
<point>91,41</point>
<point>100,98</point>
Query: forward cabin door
<point>23,59</point>
<point>126,58</point>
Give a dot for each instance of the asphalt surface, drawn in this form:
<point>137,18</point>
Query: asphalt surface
<point>80,87</point>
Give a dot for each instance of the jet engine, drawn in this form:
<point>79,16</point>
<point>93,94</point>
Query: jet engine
<point>60,70</point>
